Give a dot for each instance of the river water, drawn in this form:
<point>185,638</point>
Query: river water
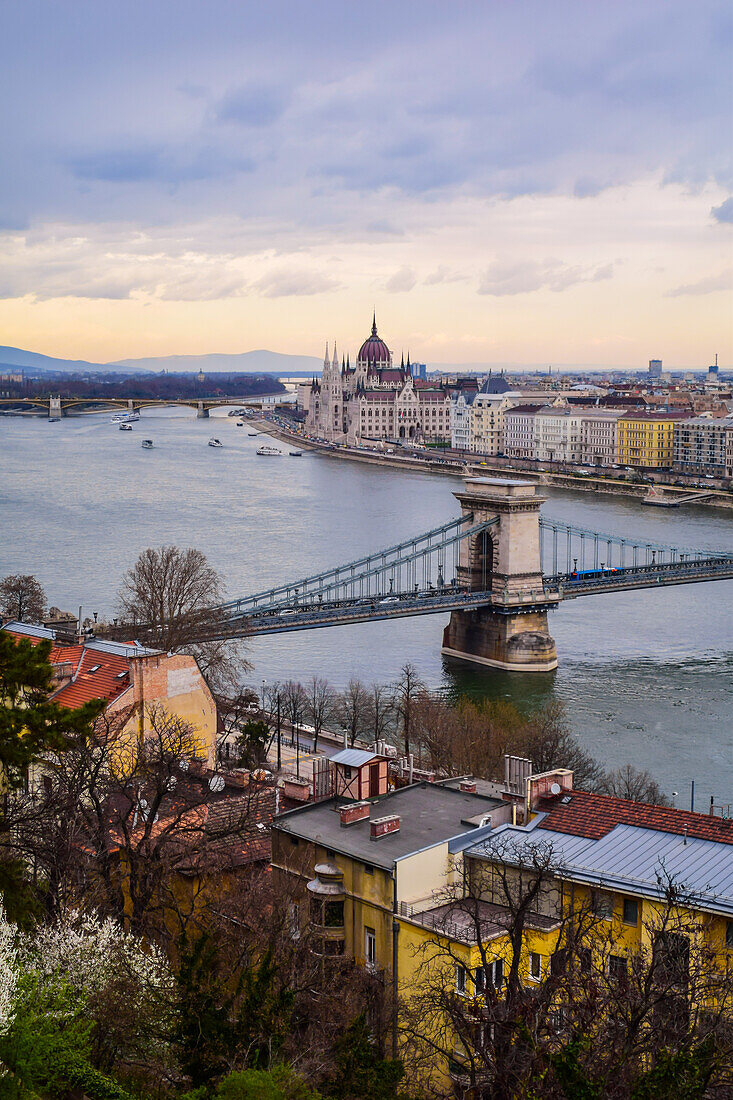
<point>646,677</point>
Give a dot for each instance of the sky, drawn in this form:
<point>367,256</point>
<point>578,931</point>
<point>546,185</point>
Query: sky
<point>503,180</point>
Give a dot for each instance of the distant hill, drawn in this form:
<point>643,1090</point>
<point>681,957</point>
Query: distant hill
<point>251,362</point>
<point>32,360</point>
<point>247,362</point>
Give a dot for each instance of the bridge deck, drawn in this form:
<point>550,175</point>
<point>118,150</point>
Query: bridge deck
<point>560,587</point>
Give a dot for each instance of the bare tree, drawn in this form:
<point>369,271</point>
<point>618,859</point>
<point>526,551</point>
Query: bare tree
<point>381,711</point>
<point>405,693</point>
<point>132,825</point>
<point>171,597</point>
<point>294,703</point>
<point>633,784</point>
<point>353,709</point>
<point>320,705</point>
<point>22,598</point>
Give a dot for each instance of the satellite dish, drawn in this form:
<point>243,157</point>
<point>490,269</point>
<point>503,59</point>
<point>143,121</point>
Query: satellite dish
<point>555,788</point>
<point>217,783</point>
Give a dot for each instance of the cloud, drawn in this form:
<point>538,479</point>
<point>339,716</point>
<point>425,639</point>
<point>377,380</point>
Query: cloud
<point>442,274</point>
<point>402,281</point>
<point>710,284</point>
<point>724,212</point>
<point>287,283</point>
<point>504,278</point>
<point>252,105</point>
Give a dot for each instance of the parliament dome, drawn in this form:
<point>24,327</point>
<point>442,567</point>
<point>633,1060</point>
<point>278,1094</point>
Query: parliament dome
<point>374,351</point>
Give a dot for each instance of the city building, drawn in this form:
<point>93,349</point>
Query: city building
<point>487,416</point>
<point>557,434</point>
<point>130,679</point>
<point>374,400</point>
<point>646,439</point>
<point>519,430</point>
<point>599,436</point>
<point>655,368</point>
<point>413,883</point>
<point>699,446</point>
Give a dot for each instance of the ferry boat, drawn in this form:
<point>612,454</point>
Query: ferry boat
<point>268,451</point>
<point>126,418</point>
<point>125,427</point>
<point>214,442</point>
<point>148,444</point>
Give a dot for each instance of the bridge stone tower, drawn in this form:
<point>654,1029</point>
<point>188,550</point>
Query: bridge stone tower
<point>510,632</point>
<point>54,407</point>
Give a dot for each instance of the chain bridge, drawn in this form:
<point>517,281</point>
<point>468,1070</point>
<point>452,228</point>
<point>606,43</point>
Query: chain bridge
<point>498,569</point>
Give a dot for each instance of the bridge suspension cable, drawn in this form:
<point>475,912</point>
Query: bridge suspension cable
<point>567,548</point>
<point>424,563</point>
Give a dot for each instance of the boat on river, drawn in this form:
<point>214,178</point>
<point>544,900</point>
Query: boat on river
<point>253,435</point>
<point>295,454</point>
<point>148,444</point>
<point>269,452</point>
<point>214,442</point>
<point>126,418</point>
<point>125,427</point>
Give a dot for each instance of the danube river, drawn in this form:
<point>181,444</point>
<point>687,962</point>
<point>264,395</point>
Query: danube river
<point>646,677</point>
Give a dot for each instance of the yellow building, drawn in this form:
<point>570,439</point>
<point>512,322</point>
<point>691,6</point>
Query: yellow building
<point>425,884</point>
<point>138,686</point>
<point>647,439</point>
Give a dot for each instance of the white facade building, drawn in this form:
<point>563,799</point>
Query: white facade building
<point>519,431</point>
<point>557,434</point>
<point>599,436</point>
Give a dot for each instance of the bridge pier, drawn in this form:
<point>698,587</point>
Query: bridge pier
<point>54,407</point>
<point>201,412</point>
<point>511,631</point>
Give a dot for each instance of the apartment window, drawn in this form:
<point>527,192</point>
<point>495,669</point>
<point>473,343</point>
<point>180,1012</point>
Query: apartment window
<point>368,869</point>
<point>460,979</point>
<point>603,905</point>
<point>370,947</point>
<point>535,966</point>
<point>631,911</point>
<point>617,968</point>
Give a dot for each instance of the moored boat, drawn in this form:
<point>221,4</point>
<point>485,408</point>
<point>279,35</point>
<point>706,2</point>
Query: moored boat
<point>295,454</point>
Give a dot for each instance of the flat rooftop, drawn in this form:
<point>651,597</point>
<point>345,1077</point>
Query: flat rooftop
<point>428,815</point>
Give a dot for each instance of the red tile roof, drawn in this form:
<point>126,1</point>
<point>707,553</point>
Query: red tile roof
<point>107,682</point>
<point>111,676</point>
<point>594,815</point>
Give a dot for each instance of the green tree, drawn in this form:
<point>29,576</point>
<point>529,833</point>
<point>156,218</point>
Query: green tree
<point>361,1073</point>
<point>279,1083</point>
<point>31,725</point>
<point>252,743</point>
<point>226,1023</point>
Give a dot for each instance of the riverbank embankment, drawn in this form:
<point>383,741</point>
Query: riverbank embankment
<point>486,468</point>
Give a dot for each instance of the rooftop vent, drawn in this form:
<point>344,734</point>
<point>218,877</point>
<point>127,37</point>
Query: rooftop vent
<point>468,786</point>
<point>383,826</point>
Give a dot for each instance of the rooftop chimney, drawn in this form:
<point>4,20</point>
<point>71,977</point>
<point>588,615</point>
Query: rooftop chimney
<point>383,826</point>
<point>353,812</point>
<point>468,786</point>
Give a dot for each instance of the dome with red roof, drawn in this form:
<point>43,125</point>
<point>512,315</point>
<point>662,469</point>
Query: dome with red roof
<point>374,351</point>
